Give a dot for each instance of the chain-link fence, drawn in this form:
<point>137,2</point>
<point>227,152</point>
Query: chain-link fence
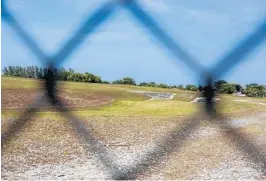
<point>175,139</point>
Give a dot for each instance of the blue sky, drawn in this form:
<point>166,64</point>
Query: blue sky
<point>121,47</point>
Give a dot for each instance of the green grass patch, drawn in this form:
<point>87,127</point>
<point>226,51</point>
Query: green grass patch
<point>130,103</point>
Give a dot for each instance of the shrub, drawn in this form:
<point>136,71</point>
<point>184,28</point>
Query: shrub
<point>191,87</point>
<point>163,86</point>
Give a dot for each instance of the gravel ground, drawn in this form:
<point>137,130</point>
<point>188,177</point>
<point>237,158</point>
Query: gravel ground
<point>89,168</point>
<point>242,122</point>
<point>79,168</point>
<point>234,166</point>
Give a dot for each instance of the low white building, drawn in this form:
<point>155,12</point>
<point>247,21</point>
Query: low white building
<point>239,94</point>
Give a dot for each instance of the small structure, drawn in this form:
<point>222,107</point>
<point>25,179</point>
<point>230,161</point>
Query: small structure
<point>239,94</point>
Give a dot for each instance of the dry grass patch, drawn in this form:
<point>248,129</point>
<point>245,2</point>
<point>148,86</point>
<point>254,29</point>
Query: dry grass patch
<point>41,141</point>
<point>20,99</point>
<point>205,153</point>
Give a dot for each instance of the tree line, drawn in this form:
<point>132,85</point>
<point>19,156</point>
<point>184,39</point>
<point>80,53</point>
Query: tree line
<point>41,73</point>
<point>62,74</point>
<point>250,90</point>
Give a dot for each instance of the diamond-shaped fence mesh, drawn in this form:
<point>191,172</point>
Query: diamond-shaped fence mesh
<point>174,140</point>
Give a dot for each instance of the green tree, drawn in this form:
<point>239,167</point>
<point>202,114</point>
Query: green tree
<point>255,90</point>
<point>163,86</point>
<point>227,88</point>
<point>218,84</point>
<point>70,77</point>
<point>152,84</point>
<point>117,82</point>
<point>191,87</point>
<point>128,81</point>
<point>97,79</point>
<point>180,86</point>
<point>143,84</point>
<point>105,82</point>
<point>173,87</point>
<point>239,88</point>
<point>125,80</point>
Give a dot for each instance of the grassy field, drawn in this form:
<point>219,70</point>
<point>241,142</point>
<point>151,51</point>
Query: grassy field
<point>116,116</point>
<point>103,99</point>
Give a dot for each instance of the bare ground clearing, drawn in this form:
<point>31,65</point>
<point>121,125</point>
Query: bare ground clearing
<point>48,149</point>
<point>19,99</point>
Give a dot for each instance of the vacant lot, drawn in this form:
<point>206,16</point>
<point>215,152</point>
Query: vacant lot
<point>129,126</point>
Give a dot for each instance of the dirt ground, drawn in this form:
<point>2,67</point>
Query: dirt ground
<point>52,141</point>
<point>51,146</point>
<point>20,99</point>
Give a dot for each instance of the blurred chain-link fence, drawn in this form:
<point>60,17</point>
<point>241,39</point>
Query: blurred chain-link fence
<point>176,138</point>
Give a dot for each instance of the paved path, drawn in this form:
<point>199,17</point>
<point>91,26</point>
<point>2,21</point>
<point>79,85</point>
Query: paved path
<point>156,95</point>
